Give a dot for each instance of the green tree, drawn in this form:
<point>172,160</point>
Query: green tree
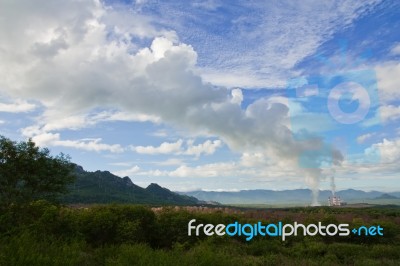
<point>29,173</point>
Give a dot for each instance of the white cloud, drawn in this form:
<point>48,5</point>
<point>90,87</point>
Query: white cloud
<point>389,113</point>
<point>262,42</point>
<point>208,147</point>
<point>253,159</point>
<point>396,49</point>
<point>237,96</point>
<point>388,76</point>
<point>389,150</point>
<point>208,170</point>
<point>178,147</point>
<point>363,138</point>
<point>253,172</point>
<point>125,116</point>
<point>252,167</point>
<point>70,122</point>
<point>50,139</point>
<point>18,106</point>
<point>378,162</point>
<point>90,145</point>
<point>171,161</point>
<point>164,148</point>
<point>160,133</point>
<point>53,122</point>
<point>129,172</point>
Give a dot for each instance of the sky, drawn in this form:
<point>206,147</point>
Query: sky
<point>208,94</point>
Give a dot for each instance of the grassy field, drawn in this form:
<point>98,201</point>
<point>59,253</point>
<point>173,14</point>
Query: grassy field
<point>46,234</point>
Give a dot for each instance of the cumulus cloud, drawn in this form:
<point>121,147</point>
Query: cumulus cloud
<point>18,106</point>
<point>208,147</point>
<point>379,161</point>
<point>237,96</point>
<point>389,150</point>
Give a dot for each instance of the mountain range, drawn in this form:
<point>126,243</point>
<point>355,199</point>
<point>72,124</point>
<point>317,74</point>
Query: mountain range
<point>104,187</point>
<point>294,197</point>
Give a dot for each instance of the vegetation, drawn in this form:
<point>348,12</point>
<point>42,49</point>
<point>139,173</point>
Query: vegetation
<point>47,234</point>
<point>104,187</point>
<point>28,173</point>
<point>35,230</point>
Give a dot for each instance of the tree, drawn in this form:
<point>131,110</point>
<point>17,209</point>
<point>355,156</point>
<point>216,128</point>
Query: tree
<point>28,173</point>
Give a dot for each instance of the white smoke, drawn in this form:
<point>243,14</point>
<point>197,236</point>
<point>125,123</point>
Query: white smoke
<point>333,185</point>
<point>313,177</point>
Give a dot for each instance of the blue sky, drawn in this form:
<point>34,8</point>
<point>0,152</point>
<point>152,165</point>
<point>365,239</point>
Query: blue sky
<point>209,94</point>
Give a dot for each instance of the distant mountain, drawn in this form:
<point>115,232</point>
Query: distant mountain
<point>386,196</point>
<point>104,187</point>
<point>297,196</point>
<point>167,196</point>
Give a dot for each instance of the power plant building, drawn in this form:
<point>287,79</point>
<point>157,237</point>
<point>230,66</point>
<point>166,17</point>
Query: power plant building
<point>335,201</point>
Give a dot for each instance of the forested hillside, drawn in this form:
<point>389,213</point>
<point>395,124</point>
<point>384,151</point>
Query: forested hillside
<point>104,187</point>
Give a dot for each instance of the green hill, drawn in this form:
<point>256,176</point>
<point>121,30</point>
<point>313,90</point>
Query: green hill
<point>386,196</point>
<point>104,187</point>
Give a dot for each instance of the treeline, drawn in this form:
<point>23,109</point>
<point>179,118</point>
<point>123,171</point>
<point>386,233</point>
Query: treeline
<point>42,233</point>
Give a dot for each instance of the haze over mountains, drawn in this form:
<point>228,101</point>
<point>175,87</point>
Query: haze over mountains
<point>296,196</point>
<point>105,187</point>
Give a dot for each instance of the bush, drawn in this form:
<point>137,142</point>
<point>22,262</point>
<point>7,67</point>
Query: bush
<point>117,224</point>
